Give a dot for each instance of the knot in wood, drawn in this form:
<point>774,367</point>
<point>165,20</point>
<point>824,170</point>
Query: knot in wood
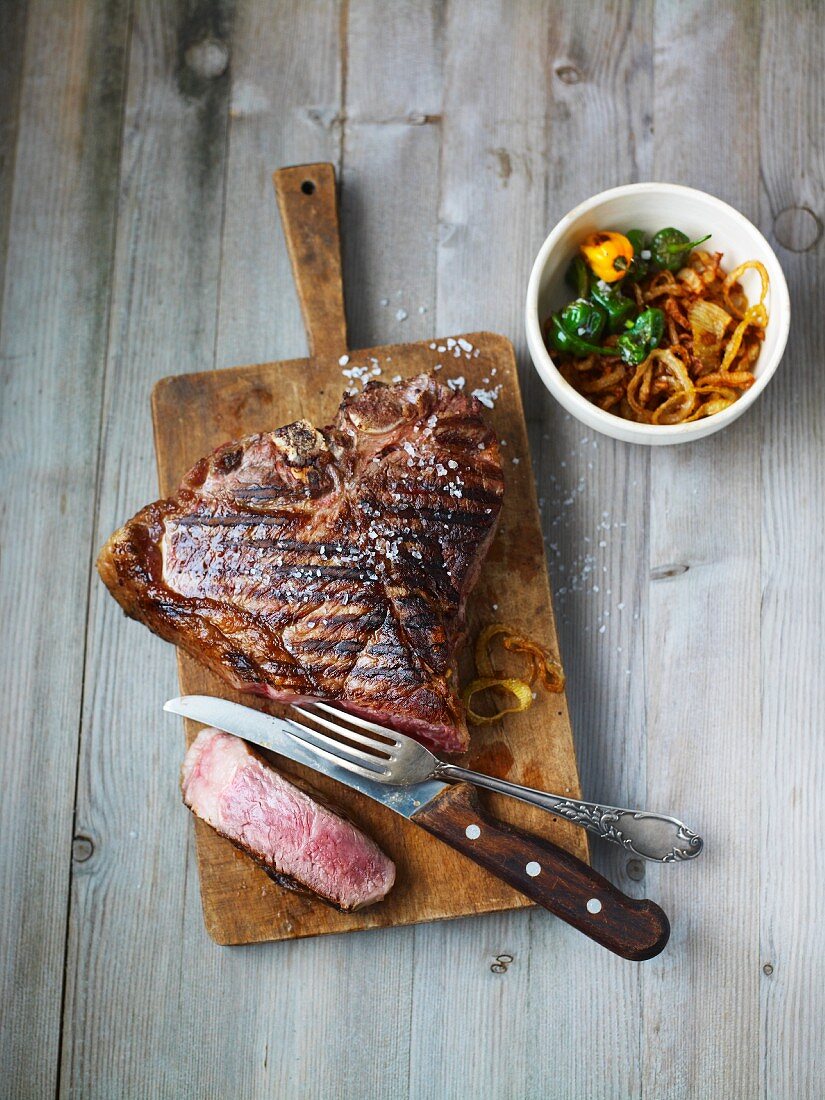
<point>797,228</point>
<point>568,74</point>
<point>665,572</point>
<point>635,870</point>
<point>82,849</point>
<point>207,59</point>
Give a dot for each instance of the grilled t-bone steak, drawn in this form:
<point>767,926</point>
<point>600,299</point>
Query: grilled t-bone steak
<point>329,564</point>
<point>299,840</point>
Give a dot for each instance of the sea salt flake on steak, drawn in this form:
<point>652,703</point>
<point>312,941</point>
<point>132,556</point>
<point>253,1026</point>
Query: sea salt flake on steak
<point>328,564</point>
<point>300,842</point>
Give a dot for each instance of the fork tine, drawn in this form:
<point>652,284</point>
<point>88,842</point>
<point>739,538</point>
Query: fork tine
<point>348,751</point>
<point>338,761</point>
<point>341,728</point>
<point>356,721</point>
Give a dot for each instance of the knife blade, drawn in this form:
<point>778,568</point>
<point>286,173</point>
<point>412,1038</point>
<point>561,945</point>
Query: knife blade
<point>549,875</point>
<point>269,732</point>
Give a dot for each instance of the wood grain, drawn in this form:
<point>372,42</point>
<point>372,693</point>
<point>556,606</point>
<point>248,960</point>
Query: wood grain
<point>789,958</point>
<point>61,216</point>
<point>535,748</point>
<point>711,608</point>
<point>409,109</point>
<point>521,146</point>
<point>121,991</point>
<point>308,203</point>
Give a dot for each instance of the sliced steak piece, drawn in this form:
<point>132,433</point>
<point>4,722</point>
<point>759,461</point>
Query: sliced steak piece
<point>330,564</point>
<point>301,843</point>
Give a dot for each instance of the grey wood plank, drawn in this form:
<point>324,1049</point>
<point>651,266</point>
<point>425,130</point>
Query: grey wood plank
<point>13,21</point>
<point>285,109</point>
<point>125,1005</point>
<point>792,869</point>
<point>59,211</point>
<point>704,725</point>
<point>341,1001</point>
<point>525,117</point>
<point>341,1027</point>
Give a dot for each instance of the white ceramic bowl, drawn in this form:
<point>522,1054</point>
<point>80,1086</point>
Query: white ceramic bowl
<point>652,206</point>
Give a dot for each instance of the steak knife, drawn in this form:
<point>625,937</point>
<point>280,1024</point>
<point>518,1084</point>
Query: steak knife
<point>543,872</point>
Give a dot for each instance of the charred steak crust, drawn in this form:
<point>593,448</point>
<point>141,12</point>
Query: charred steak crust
<point>328,564</point>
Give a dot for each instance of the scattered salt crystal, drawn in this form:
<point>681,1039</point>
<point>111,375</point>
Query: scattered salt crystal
<point>432,347</point>
<point>422,309</point>
<point>465,345</point>
<point>621,607</point>
<point>451,462</point>
<point>602,628</point>
<point>396,378</point>
<point>437,366</point>
<point>645,253</point>
<point>441,348</point>
<point>450,342</point>
<point>487,398</point>
<point>515,461</point>
<point>385,301</point>
<point>401,315</point>
<point>456,383</point>
<point>495,607</point>
<point>342,362</point>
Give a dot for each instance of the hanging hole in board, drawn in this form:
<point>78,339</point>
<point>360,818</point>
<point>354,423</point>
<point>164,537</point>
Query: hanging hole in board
<point>308,187</point>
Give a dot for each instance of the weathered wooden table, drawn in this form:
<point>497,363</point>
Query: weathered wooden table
<point>139,237</point>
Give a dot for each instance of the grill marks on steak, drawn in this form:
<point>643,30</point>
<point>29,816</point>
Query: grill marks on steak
<point>328,564</point>
<point>300,841</point>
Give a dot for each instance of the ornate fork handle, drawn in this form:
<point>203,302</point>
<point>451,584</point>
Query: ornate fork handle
<point>649,835</point>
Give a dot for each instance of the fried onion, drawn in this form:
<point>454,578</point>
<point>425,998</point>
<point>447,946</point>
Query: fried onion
<point>712,341</point>
<point>542,667</point>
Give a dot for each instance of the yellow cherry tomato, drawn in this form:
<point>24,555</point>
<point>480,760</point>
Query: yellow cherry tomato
<point>608,255</point>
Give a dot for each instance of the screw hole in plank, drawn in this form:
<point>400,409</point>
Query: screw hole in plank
<point>308,187</point>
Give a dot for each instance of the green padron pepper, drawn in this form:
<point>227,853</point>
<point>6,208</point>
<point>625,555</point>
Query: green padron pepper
<point>636,344</point>
<point>578,277</point>
<point>584,319</point>
<point>641,254</point>
<point>617,307</point>
<point>568,339</point>
<point>671,247</point>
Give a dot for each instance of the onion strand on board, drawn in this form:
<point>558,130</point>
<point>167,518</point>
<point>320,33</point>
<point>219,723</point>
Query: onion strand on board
<point>521,690</point>
<point>543,668</point>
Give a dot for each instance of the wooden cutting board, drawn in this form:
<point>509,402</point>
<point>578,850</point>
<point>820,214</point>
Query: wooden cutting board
<point>195,413</point>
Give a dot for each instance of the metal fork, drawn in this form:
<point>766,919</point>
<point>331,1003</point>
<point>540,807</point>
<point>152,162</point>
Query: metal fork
<point>390,757</point>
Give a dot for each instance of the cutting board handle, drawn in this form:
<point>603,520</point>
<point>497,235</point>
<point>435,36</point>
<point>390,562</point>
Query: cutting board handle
<point>309,214</point>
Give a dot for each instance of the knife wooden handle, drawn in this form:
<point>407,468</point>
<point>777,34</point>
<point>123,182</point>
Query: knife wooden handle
<point>547,875</point>
<point>309,214</point>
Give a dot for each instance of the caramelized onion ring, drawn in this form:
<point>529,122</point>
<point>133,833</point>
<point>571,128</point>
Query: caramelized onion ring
<point>522,692</point>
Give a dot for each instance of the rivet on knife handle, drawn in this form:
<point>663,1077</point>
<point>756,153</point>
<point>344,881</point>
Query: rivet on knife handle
<point>548,875</point>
